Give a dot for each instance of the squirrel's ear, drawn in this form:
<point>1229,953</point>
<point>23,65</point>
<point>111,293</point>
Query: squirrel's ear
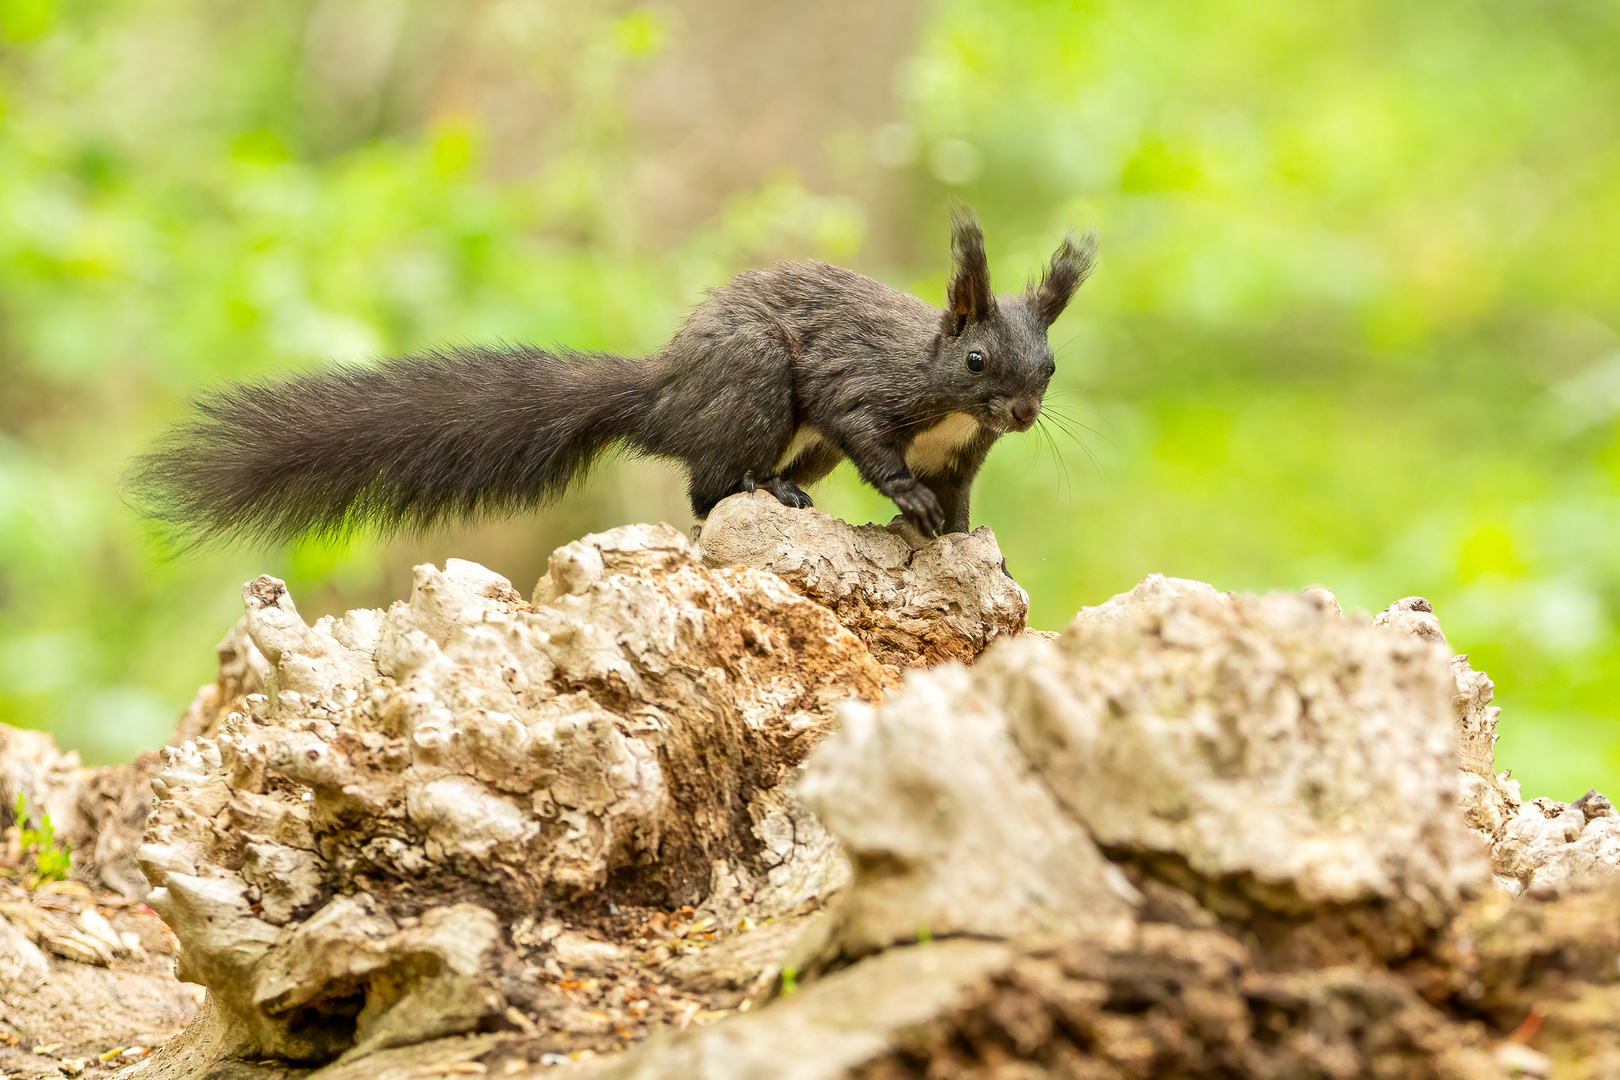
<point>1071,265</point>
<point>969,298</point>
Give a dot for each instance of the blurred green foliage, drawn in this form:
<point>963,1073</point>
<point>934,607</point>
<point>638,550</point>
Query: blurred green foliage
<point>1355,322</point>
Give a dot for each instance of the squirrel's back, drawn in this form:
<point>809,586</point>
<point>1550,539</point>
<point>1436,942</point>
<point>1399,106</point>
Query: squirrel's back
<point>815,301</point>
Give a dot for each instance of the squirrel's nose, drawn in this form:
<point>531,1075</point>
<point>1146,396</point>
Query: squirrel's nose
<point>1026,411</point>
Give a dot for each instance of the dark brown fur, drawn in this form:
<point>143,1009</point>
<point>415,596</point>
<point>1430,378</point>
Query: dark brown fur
<point>803,357</point>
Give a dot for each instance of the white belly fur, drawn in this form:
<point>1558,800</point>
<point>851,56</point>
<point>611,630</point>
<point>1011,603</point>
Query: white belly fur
<point>933,451</point>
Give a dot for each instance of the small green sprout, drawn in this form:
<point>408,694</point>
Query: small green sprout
<point>52,859</point>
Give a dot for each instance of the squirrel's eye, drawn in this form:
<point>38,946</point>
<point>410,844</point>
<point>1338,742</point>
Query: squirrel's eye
<point>975,361</point>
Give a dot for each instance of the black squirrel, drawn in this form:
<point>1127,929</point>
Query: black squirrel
<point>772,379</point>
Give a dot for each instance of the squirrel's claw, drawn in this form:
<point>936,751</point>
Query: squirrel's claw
<point>920,506</point>
<point>788,493</point>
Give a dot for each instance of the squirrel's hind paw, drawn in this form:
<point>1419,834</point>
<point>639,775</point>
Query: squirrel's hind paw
<point>786,491</point>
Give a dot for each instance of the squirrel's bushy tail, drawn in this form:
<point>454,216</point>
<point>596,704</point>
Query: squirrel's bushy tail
<point>402,446</point>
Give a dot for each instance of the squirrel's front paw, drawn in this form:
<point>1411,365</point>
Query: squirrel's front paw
<point>920,505</point>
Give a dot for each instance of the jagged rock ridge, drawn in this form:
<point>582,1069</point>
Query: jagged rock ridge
<point>1198,834</point>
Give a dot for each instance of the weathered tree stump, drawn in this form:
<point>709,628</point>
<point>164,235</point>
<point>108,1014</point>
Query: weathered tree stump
<point>770,805</point>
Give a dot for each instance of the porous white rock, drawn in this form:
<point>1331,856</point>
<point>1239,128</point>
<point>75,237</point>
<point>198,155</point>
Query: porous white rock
<point>1153,591</point>
<point>337,861</point>
<point>949,830</point>
<point>913,602</point>
<point>1197,834</point>
<point>1535,845</point>
<point>1258,752</point>
<point>1235,813</point>
<point>1266,742</point>
<point>831,1028</point>
<point>1548,847</point>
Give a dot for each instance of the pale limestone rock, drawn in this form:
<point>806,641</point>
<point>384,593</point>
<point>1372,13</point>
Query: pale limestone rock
<point>1412,615</point>
<point>1151,592</point>
<point>1262,747</point>
<point>829,1028</point>
<point>1177,756</point>
<point>577,952</point>
<point>22,965</point>
<point>1549,847</point>
<point>1264,741</point>
<point>502,756</point>
<point>1098,819</point>
<point>914,603</point>
<point>99,813</point>
<point>949,831</point>
<point>1537,845</point>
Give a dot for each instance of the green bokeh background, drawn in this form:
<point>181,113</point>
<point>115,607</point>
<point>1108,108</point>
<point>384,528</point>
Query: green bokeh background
<point>1354,323</point>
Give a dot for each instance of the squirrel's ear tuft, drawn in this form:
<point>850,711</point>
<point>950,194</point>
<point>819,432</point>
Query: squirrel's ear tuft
<point>969,298</point>
<point>1071,265</point>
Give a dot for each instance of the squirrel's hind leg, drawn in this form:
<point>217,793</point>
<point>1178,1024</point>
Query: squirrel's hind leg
<point>806,467</point>
<point>730,417</point>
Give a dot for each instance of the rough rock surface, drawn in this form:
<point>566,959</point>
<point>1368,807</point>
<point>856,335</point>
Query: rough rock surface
<point>1196,834</point>
<point>1289,757</point>
<point>1539,845</point>
<point>341,862</point>
<point>939,810</point>
<point>86,970</point>
<point>914,602</point>
<point>1261,754</point>
<point>1211,833</point>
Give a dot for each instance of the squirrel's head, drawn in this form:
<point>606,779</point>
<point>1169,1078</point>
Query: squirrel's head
<point>994,350</point>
